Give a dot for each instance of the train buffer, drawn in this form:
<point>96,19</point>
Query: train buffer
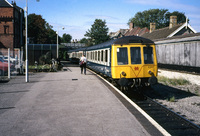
<point>68,103</point>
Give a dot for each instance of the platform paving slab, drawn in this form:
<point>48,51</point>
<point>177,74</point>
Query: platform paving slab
<point>64,104</point>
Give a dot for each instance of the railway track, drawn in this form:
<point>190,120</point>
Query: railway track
<point>172,122</point>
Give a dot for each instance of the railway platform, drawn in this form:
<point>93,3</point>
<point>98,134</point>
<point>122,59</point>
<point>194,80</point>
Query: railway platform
<point>65,103</point>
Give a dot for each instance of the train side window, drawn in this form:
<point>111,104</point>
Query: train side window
<point>95,55</point>
<point>102,55</point>
<point>106,55</point>
<point>148,55</point>
<point>122,56</point>
<point>135,55</point>
<point>98,55</point>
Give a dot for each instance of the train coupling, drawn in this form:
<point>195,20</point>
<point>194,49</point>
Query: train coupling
<point>124,82</point>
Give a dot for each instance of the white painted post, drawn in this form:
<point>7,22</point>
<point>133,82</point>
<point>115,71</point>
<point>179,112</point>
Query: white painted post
<point>8,63</point>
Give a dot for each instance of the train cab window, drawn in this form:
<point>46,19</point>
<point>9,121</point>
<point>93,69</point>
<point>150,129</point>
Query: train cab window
<point>148,55</point>
<point>135,55</point>
<point>106,55</point>
<point>122,56</point>
<point>102,55</point>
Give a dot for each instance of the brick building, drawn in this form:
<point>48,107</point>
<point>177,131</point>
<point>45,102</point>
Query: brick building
<point>12,25</point>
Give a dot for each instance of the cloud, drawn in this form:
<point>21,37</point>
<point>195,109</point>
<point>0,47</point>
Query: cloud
<point>113,27</point>
<point>194,16</point>
<point>104,17</point>
<point>169,4</point>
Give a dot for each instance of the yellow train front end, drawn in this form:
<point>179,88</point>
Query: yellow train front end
<point>134,64</point>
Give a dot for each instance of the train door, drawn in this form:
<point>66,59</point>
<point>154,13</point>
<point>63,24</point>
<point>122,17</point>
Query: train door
<point>149,60</point>
<point>119,60</point>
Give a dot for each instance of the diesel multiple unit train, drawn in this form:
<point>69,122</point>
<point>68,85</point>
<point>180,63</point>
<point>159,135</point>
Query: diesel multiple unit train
<point>129,61</point>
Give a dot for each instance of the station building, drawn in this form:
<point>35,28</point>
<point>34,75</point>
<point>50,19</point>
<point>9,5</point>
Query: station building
<point>12,26</point>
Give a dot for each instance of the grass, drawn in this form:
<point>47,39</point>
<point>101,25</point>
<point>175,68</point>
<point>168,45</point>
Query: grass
<point>39,67</point>
<point>174,81</point>
<point>44,68</point>
<point>172,99</point>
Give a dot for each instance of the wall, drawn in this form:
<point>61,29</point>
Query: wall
<point>182,51</point>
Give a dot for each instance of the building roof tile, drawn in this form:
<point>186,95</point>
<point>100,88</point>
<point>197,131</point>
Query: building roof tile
<point>161,33</point>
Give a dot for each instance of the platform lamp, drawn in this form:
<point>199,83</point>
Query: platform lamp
<point>26,40</point>
<point>57,41</point>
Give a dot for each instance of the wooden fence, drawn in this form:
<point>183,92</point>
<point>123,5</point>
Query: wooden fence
<point>182,51</point>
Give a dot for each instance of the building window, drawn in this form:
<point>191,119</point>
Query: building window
<point>6,29</point>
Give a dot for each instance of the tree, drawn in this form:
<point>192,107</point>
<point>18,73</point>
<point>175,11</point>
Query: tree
<point>36,28</point>
<point>51,35</point>
<point>181,18</point>
<point>98,32</point>
<point>87,42</point>
<point>158,16</point>
<point>66,38</point>
<point>39,31</point>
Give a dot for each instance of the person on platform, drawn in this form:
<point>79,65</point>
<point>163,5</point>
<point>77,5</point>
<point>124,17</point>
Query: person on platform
<point>83,61</point>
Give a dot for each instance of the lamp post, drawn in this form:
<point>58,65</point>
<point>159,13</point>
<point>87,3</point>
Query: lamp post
<point>57,41</point>
<point>26,79</point>
<point>26,41</point>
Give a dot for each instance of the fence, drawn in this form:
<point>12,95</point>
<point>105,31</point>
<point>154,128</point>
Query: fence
<point>181,52</point>
<point>41,53</point>
<point>10,63</point>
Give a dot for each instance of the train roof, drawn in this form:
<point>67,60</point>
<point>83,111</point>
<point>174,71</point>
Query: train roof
<point>133,39</point>
<point>78,49</point>
<point>122,40</point>
<point>102,45</point>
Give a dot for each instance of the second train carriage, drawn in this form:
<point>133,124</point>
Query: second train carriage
<point>128,60</point>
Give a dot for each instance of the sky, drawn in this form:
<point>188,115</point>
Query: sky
<point>77,16</point>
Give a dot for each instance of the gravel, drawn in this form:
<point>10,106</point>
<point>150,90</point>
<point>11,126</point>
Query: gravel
<point>185,99</point>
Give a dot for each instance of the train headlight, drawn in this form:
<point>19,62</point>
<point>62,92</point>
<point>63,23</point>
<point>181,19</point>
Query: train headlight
<point>123,73</point>
<point>151,73</point>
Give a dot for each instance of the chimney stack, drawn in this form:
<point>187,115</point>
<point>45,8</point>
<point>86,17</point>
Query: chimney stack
<point>152,27</point>
<point>173,21</point>
<point>131,26</point>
